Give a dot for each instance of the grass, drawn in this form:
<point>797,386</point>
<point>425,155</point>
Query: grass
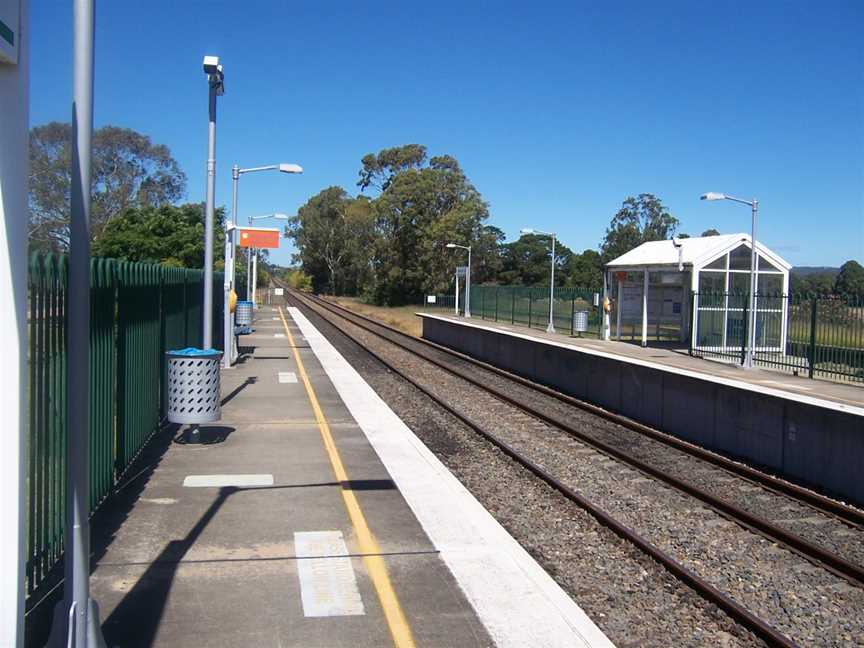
<point>400,317</point>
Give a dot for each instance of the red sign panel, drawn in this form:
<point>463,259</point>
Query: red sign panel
<point>258,237</point>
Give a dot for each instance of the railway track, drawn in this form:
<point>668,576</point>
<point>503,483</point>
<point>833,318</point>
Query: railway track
<point>556,414</point>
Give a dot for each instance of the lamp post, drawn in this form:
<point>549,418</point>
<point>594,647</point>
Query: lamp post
<point>231,249</point>
<point>751,320</point>
<point>551,327</point>
<point>216,82</point>
<point>467,279</point>
<point>253,272</point>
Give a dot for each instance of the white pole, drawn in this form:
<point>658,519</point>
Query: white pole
<point>456,307</point>
<point>254,276</point>
<point>606,323</point>
<point>751,329</point>
<point>228,284</point>
<point>618,310</point>
<point>14,106</point>
<point>645,307</point>
<point>551,327</point>
<point>468,285</point>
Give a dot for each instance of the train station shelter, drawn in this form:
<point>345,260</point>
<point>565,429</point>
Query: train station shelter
<point>698,291</point>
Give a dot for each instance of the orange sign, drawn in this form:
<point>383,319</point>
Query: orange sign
<point>258,237</point>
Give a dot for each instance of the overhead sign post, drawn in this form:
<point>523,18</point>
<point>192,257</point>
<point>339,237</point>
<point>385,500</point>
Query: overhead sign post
<point>257,238</point>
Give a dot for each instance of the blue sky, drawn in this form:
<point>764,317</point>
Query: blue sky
<point>556,111</point>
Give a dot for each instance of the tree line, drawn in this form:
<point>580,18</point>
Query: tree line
<point>387,244</point>
<point>136,213</point>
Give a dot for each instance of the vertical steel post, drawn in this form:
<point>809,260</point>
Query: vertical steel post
<point>468,285</point>
<point>513,306</point>
<point>551,327</point>
<point>78,623</point>
<point>207,315</point>
<point>812,352</point>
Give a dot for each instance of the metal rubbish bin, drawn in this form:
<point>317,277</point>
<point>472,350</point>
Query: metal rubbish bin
<point>243,313</point>
<point>580,321</point>
<point>193,388</point>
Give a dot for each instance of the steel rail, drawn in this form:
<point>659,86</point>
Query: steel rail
<point>770,635</point>
<point>800,494</point>
<point>826,559</point>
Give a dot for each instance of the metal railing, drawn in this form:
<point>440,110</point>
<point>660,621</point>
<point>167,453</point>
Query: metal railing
<point>807,335</point>
<point>138,311</point>
<point>528,306</point>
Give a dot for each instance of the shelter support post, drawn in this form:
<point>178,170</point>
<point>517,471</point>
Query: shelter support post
<point>645,275</point>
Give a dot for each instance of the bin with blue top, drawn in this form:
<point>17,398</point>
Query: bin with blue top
<point>193,387</point>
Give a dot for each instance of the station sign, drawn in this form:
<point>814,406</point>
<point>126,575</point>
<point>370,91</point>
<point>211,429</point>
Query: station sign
<point>279,292</point>
<point>258,237</point>
<point>10,20</point>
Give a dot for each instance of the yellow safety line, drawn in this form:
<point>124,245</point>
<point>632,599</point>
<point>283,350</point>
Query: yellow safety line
<point>399,628</point>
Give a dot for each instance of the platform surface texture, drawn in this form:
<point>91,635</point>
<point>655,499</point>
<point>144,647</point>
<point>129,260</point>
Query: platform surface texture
<point>311,515</point>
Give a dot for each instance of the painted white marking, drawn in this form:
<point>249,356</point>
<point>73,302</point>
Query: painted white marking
<point>287,377</point>
<point>788,394</point>
<point>516,600</point>
<point>328,586</point>
<point>274,318</point>
<point>278,335</point>
<point>210,481</point>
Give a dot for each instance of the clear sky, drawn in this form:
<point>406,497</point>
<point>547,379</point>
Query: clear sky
<point>556,111</point>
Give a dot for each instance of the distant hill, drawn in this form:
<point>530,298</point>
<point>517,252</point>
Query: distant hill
<point>803,271</point>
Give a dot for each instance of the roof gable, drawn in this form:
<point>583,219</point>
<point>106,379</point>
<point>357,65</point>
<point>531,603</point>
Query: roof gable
<point>697,252</point>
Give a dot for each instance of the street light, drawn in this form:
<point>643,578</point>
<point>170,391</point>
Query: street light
<point>751,320</point>
<point>216,82</point>
<point>252,273</point>
<point>230,249</point>
<point>467,279</point>
<point>528,230</point>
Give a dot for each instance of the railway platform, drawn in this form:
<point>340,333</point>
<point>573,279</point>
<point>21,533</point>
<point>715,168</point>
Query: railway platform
<point>808,431</point>
<point>310,515</point>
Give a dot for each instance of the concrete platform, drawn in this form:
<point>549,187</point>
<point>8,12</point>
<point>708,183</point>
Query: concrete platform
<point>810,431</point>
<point>312,516</point>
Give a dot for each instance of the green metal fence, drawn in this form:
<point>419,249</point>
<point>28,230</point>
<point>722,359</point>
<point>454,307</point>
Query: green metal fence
<point>529,306</point>
<point>138,311</point>
<point>808,335</point>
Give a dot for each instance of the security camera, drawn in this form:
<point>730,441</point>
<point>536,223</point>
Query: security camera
<point>211,65</point>
<point>676,242</point>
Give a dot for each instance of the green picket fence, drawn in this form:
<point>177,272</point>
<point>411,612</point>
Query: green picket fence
<point>138,311</point>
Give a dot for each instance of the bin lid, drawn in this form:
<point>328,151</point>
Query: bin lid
<point>245,302</point>
<point>192,352</point>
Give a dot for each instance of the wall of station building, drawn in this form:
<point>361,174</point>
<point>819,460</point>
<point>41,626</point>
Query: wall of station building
<point>804,443</point>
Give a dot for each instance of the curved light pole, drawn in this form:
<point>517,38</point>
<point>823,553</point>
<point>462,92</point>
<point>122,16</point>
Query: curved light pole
<point>231,250</point>
<point>467,278</point>
<point>751,320</point>
<point>252,273</point>
<point>527,230</point>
